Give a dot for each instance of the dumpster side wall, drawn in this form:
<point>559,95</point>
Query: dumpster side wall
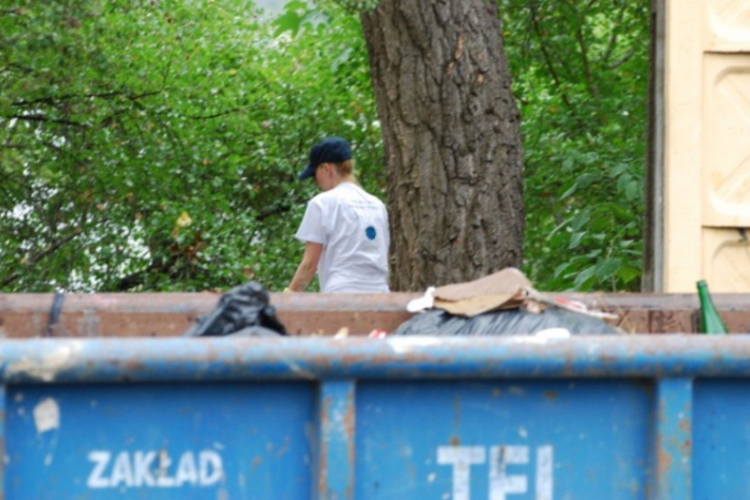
<point>170,314</point>
<point>619,417</point>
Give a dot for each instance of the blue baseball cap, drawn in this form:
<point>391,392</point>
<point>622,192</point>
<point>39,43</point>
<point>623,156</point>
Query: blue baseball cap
<point>331,150</point>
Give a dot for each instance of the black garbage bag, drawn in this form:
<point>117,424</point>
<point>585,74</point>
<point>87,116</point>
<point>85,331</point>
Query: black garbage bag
<point>503,322</point>
<point>242,311</point>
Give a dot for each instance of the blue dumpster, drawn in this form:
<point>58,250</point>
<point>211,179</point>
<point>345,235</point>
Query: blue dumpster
<point>516,418</point>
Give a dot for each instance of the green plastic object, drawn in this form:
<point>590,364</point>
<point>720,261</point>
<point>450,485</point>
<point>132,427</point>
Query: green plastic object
<point>711,322</point>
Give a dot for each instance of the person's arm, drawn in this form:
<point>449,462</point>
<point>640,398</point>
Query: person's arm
<point>307,267</point>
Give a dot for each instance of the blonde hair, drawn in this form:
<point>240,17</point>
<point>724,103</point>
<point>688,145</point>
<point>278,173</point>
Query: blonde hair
<point>345,169</point>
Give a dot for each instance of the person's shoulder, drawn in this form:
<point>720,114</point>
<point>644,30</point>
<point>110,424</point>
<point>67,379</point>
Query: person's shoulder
<point>325,198</point>
<point>342,191</point>
<point>365,193</point>
<point>374,198</point>
<point>324,195</point>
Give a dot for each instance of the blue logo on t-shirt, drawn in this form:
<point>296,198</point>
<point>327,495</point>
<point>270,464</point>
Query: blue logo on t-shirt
<point>370,232</point>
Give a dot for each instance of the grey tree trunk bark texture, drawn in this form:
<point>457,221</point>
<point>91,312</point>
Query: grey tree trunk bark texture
<point>452,140</point>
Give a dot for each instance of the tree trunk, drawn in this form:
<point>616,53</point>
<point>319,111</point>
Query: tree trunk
<point>452,140</point>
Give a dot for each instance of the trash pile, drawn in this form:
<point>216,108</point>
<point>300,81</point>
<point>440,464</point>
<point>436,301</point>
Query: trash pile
<point>243,311</point>
<point>503,303</point>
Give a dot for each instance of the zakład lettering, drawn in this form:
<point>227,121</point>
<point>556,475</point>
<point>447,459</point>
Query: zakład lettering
<point>501,484</point>
<point>154,469</point>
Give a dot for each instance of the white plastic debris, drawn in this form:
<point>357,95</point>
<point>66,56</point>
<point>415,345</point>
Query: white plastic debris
<point>422,303</point>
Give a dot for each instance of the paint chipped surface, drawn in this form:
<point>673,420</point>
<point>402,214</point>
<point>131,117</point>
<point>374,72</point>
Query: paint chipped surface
<point>553,333</point>
<point>535,339</point>
<point>406,345</point>
<point>47,367</point>
<point>296,368</point>
<point>46,415</point>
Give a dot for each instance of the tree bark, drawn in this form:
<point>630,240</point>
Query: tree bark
<point>451,133</point>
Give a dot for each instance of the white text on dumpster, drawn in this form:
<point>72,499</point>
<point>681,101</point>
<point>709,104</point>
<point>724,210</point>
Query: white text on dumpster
<point>156,469</point>
<point>501,484</point>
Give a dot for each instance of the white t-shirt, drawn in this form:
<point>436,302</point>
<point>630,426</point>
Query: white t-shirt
<point>352,226</point>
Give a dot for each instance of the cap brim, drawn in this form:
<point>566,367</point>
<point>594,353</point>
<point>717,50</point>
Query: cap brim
<point>308,172</point>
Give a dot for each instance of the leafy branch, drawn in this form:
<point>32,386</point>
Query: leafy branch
<point>36,257</point>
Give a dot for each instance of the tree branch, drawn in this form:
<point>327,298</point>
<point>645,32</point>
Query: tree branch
<point>622,60</point>
<point>583,48</point>
<point>215,115</point>
<point>613,38</point>
<point>585,60</point>
<point>136,278</point>
<point>41,255</point>
<point>43,118</point>
<point>51,100</point>
<point>547,57</point>
<point>280,209</point>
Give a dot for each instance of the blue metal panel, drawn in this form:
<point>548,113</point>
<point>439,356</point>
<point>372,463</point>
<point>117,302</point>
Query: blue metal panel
<point>336,443</point>
<point>673,439</point>
<point>150,360</point>
<point>229,441</point>
<point>521,440</point>
<point>463,418</point>
<point>2,441</point>
<point>721,447</point>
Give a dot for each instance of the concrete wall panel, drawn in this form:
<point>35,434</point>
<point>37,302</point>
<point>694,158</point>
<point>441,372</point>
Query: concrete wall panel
<point>706,145</point>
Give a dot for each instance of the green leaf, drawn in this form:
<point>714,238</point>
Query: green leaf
<point>633,190</point>
<point>289,21</point>
<point>606,268</point>
<point>562,268</point>
<point>628,273</point>
<point>575,240</point>
<point>581,219</point>
<point>584,276</point>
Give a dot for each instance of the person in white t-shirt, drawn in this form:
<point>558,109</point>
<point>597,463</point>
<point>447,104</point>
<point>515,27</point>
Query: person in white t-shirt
<point>345,229</point>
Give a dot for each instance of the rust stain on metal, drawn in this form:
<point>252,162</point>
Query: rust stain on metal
<point>349,422</point>
<point>349,417</point>
<point>664,462</point>
<point>454,441</point>
<point>323,451</point>
<point>685,425</point>
<point>607,358</point>
<point>550,395</point>
<point>256,462</point>
<point>687,447</point>
<point>134,365</point>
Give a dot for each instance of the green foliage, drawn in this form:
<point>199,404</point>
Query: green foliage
<point>155,145</point>
<point>580,77</point>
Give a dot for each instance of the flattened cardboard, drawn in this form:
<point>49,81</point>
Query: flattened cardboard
<point>505,289</point>
<point>481,304</point>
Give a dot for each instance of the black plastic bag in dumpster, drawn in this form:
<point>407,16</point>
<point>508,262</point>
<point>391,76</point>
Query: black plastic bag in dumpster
<point>242,311</point>
<point>503,322</point>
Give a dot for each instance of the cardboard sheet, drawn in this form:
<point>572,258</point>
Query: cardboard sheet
<point>505,289</point>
